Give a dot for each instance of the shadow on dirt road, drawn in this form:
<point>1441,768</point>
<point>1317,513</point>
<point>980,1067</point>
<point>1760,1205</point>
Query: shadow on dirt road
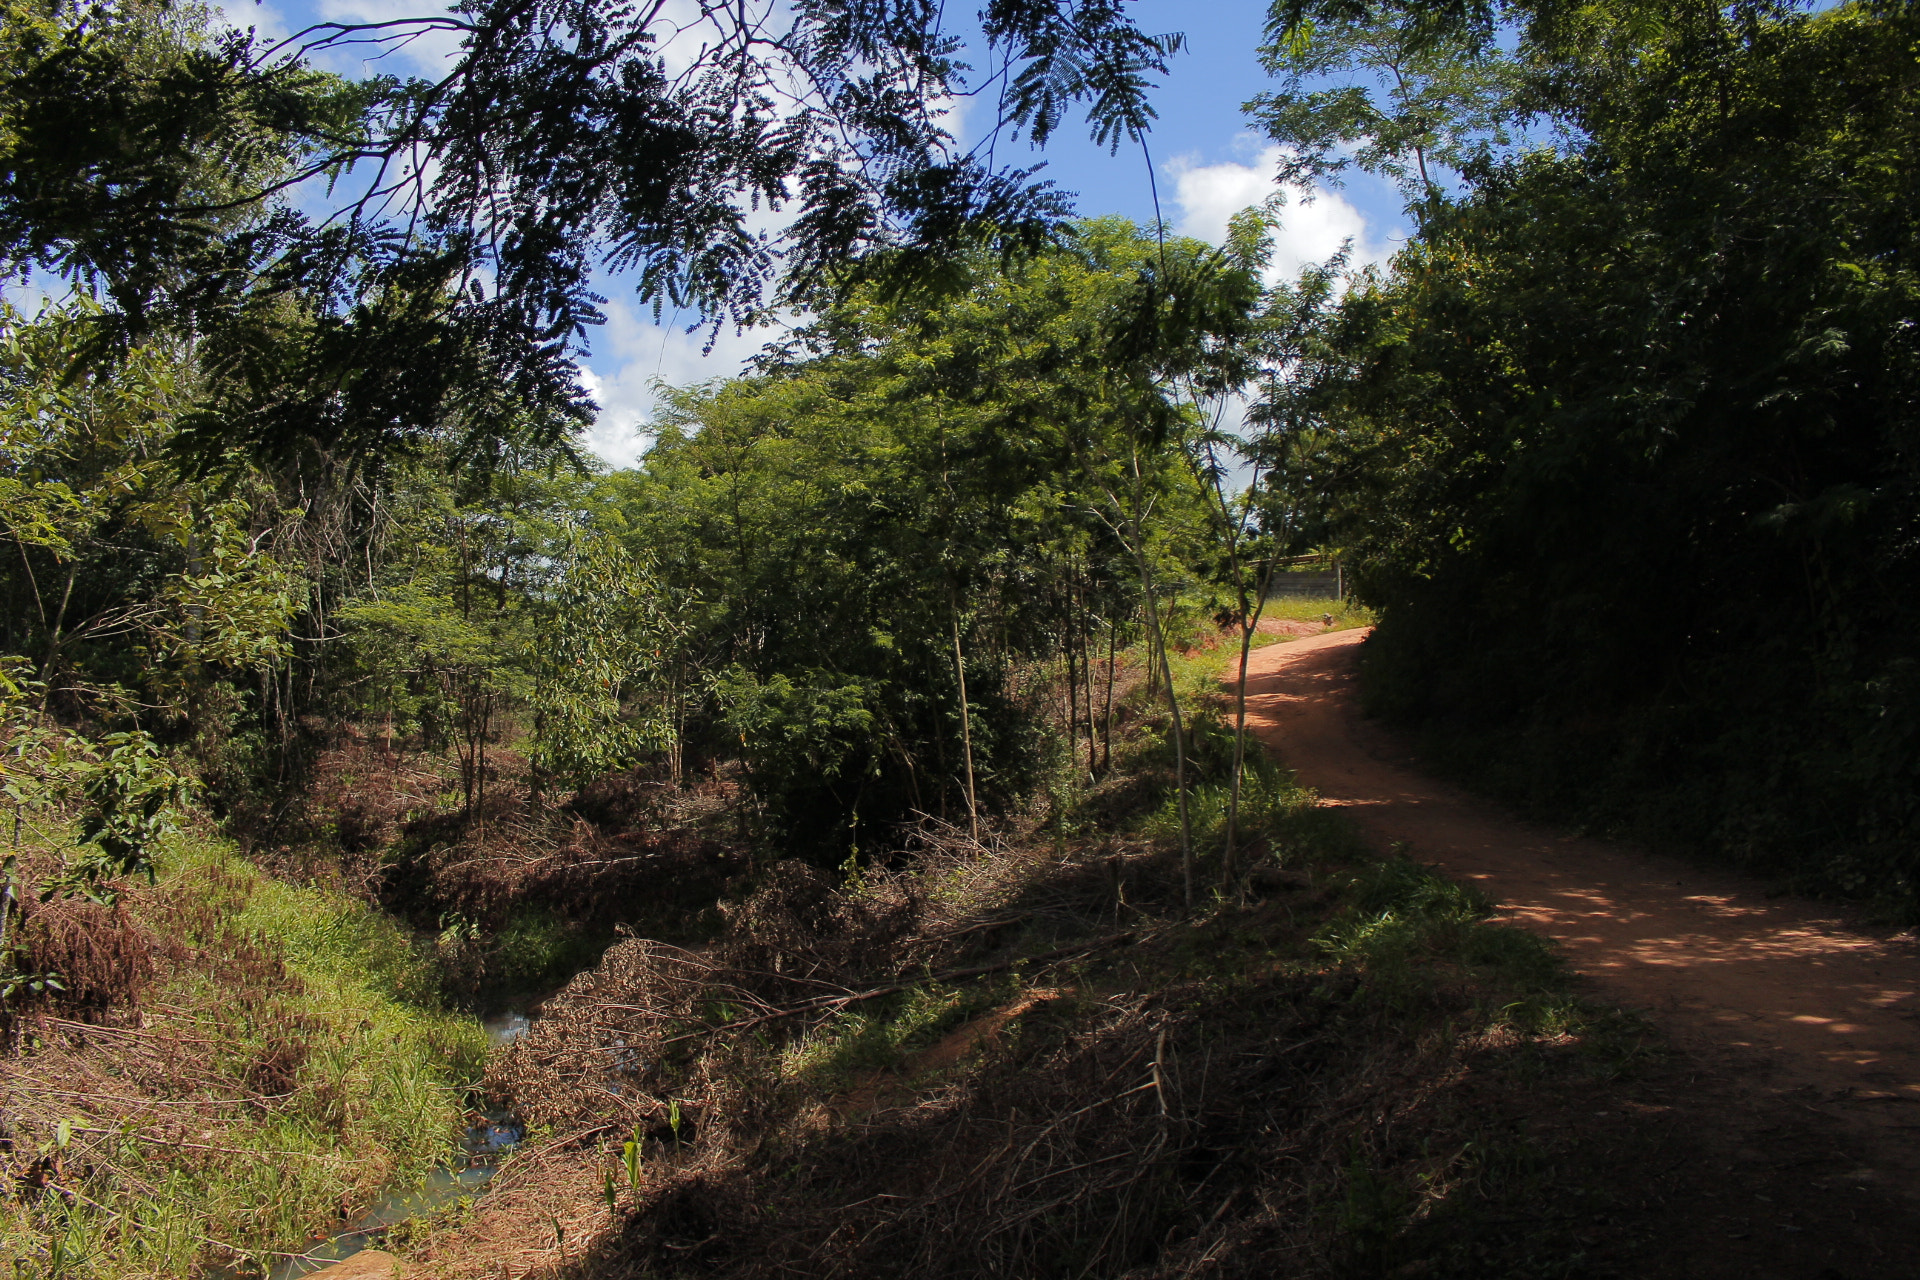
<point>1790,996</point>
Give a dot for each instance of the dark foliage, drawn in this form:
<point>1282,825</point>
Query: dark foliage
<point>1629,450</point>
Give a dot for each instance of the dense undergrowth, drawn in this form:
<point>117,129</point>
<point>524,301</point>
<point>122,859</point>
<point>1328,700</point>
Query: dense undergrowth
<point>238,1065</point>
<point>239,1057</point>
<point>527,890</point>
<point>1021,1056</point>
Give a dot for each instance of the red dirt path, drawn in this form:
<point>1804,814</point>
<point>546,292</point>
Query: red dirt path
<point>1791,994</point>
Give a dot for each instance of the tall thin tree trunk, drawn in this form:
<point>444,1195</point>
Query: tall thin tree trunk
<point>195,613</point>
<point>480,759</point>
<point>1073,669</point>
<point>1106,729</point>
<point>676,749</point>
<point>1153,654</point>
<point>52,667</point>
<point>1159,645</point>
<point>966,721</point>
<point>1086,668</point>
<point>1248,625</point>
<point>1073,686</point>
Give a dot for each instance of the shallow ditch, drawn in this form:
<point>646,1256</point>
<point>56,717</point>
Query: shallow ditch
<point>483,1146</point>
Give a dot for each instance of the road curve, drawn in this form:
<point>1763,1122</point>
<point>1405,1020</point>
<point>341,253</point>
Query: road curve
<point>1825,1004</point>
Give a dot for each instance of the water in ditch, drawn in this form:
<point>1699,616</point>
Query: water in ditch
<point>482,1146</point>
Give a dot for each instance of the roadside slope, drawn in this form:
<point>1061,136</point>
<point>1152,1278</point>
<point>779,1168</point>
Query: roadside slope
<point>1804,1000</point>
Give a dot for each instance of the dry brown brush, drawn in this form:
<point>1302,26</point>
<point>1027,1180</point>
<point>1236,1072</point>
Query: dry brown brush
<point>1116,1090</point>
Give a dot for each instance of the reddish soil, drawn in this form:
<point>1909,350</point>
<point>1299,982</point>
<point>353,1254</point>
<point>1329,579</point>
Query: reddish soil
<point>1290,627</point>
<point>1787,997</point>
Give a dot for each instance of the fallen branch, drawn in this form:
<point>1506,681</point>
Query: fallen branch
<point>825,1003</point>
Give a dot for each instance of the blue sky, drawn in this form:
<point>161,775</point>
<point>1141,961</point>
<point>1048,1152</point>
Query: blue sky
<point>1208,162</point>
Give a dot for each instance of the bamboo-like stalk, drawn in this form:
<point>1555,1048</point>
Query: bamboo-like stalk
<point>1157,638</point>
<point>966,722</point>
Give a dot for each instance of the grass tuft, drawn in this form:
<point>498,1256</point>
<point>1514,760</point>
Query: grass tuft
<point>290,1063</point>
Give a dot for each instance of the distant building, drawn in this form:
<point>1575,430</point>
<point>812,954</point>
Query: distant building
<point>1309,577</point>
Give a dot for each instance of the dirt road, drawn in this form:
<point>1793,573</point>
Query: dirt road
<point>1807,1002</point>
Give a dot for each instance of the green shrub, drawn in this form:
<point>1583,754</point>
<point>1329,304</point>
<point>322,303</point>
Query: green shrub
<point>538,949</point>
<point>1399,915</point>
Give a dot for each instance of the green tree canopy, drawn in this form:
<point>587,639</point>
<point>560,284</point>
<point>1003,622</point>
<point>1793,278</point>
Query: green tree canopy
<point>1626,445</point>
<point>144,155</point>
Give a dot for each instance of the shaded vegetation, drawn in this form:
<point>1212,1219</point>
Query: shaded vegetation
<point>1623,446</point>
<point>1022,1055</point>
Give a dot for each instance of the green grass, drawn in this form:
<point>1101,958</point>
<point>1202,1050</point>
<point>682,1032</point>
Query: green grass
<point>1398,922</point>
<point>1346,613</point>
<point>369,1090</point>
<point>881,1036</point>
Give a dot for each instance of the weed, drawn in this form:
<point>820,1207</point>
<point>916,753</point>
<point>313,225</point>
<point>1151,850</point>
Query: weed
<point>877,1039</point>
<point>292,1065</point>
<point>537,950</point>
<point>631,1158</point>
<point>1373,1215</point>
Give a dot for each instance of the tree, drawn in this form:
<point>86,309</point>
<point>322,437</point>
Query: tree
<point>1624,445</point>
<point>122,571</point>
<point>1381,87</point>
<point>607,685</point>
<point>1253,525</point>
<point>918,496</point>
<point>145,156</point>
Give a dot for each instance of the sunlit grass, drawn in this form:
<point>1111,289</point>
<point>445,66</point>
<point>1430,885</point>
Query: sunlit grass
<point>880,1036</point>
<point>239,1166</point>
<point>1346,613</point>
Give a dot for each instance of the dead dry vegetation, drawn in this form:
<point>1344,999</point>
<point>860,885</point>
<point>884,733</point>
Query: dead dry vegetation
<point>1018,1057</point>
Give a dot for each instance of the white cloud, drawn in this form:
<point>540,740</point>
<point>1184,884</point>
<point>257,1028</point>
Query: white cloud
<point>631,354</point>
<point>1313,224</point>
<point>267,22</point>
<point>428,51</point>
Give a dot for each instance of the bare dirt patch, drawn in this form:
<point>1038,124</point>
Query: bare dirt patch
<point>1291,628</point>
